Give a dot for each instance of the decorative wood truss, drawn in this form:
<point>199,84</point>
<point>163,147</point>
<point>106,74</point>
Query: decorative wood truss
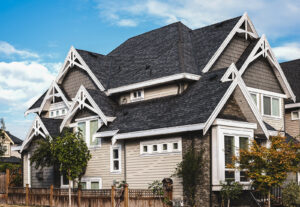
<point>83,100</point>
<point>53,92</point>
<point>74,59</point>
<point>37,128</point>
<point>263,49</point>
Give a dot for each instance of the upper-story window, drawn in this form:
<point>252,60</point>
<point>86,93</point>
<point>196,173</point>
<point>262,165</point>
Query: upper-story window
<point>162,146</point>
<point>271,106</point>
<point>88,129</point>
<point>115,159</point>
<point>137,95</point>
<point>295,115</point>
<point>255,98</point>
<point>57,112</point>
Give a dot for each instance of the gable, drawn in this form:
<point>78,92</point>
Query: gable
<point>232,52</point>
<point>74,79</point>
<point>260,75</point>
<point>232,111</point>
<point>84,113</point>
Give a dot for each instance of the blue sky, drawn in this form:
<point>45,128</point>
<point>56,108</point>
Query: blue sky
<point>36,35</point>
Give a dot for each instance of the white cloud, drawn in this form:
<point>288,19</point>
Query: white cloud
<point>288,51</point>
<point>127,23</point>
<point>8,49</point>
<point>275,18</point>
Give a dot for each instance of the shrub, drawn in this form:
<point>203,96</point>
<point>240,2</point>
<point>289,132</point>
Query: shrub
<point>291,195</point>
<point>230,191</point>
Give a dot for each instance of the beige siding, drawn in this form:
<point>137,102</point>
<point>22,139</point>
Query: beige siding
<point>143,170</point>
<point>99,165</point>
<point>74,78</point>
<point>260,75</point>
<point>232,53</point>
<point>25,169</point>
<point>292,126</point>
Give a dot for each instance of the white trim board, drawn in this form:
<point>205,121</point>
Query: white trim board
<point>236,29</point>
<point>70,62</point>
<point>293,105</point>
<point>268,93</point>
<point>153,82</point>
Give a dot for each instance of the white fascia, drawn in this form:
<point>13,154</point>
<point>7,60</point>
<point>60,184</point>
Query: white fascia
<point>106,134</point>
<point>70,62</point>
<point>153,82</point>
<point>267,52</point>
<point>236,29</point>
<point>233,123</point>
<point>79,103</point>
<point>238,81</point>
<point>160,131</point>
<point>293,105</point>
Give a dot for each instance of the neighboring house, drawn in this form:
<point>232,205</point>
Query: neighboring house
<point>145,103</point>
<point>12,145</point>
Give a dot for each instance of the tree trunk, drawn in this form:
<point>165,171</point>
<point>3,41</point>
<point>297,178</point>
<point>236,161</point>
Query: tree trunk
<point>228,202</point>
<point>269,198</point>
<point>70,201</point>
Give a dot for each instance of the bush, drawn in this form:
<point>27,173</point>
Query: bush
<point>291,195</point>
<point>230,191</point>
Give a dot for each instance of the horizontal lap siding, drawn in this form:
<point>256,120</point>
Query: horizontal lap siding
<point>74,78</point>
<point>232,53</point>
<point>143,170</point>
<point>99,165</point>
<point>292,126</point>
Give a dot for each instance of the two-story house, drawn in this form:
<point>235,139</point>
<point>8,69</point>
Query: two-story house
<point>143,105</point>
<point>11,145</point>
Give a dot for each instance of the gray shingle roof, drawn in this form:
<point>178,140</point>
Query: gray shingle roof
<point>15,139</point>
<point>12,159</point>
<point>291,70</point>
<point>193,106</point>
<point>52,125</point>
<point>38,102</point>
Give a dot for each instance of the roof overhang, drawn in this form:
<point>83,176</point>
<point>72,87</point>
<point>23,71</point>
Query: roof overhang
<point>154,82</point>
<point>293,105</point>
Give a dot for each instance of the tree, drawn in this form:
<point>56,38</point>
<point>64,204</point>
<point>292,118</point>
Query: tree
<point>3,127</point>
<point>190,170</point>
<point>73,155</point>
<point>230,191</point>
<point>68,151</point>
<point>267,167</point>
<point>2,139</point>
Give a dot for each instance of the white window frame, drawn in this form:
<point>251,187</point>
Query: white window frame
<point>292,116</point>
<point>257,98</point>
<point>89,180</point>
<point>119,148</point>
<point>271,97</point>
<point>87,121</point>
<point>218,151</point>
<point>132,98</point>
<point>160,143</point>
<point>65,186</point>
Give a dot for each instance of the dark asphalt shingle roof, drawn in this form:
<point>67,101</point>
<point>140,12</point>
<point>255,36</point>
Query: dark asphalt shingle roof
<point>246,53</point>
<point>52,125</point>
<point>291,70</point>
<point>15,139</point>
<point>38,102</point>
<point>12,159</point>
<point>193,106</point>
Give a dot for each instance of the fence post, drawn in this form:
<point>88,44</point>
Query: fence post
<point>168,190</point>
<point>126,196</point>
<point>79,195</point>
<point>112,196</point>
<point>51,196</point>
<point>7,184</point>
<point>27,195</point>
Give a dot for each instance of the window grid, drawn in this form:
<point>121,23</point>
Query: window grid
<point>115,159</point>
<point>161,148</point>
<point>271,106</point>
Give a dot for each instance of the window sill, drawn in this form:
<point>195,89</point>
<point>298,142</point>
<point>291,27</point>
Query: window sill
<point>116,172</point>
<point>246,186</point>
<point>159,153</point>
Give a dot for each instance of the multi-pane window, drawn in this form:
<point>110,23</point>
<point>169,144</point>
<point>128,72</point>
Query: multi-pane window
<point>93,130</point>
<point>115,163</point>
<point>160,146</point>
<point>91,183</point>
<point>137,95</point>
<point>95,185</point>
<point>271,106</point>
<point>5,149</point>
<point>88,129</point>
<point>57,113</point>
<point>295,115</point>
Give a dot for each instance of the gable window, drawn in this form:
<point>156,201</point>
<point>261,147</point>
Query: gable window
<point>115,159</point>
<point>88,128</point>
<point>137,95</point>
<point>271,106</point>
<point>5,149</point>
<point>255,98</point>
<point>295,115</point>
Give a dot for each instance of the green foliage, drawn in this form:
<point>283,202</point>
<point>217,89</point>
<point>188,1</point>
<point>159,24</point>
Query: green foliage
<point>190,169</point>
<point>291,195</point>
<point>230,191</point>
<point>10,166</point>
<point>2,139</point>
<point>157,188</point>
<point>2,122</point>
<point>72,154</point>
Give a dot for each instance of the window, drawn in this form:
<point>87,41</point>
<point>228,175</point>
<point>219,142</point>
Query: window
<point>271,106</point>
<point>83,185</point>
<point>255,98</point>
<point>160,146</point>
<point>137,95</point>
<point>88,128</point>
<point>115,161</point>
<point>95,185</point>
<point>165,147</point>
<point>57,113</point>
<point>295,115</point>
<point>145,149</point>
<point>91,183</point>
<point>52,114</point>
<point>154,148</point>
<point>63,112</point>
<point>175,146</point>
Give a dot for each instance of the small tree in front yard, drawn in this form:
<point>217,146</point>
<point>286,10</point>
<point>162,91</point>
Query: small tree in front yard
<point>230,191</point>
<point>73,155</point>
<point>267,167</point>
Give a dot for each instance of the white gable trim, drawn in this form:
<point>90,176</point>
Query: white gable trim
<point>233,123</point>
<point>35,130</point>
<point>6,135</point>
<point>70,62</point>
<point>79,103</point>
<point>50,94</point>
<point>153,82</point>
<point>236,29</point>
<point>266,52</point>
<point>238,81</point>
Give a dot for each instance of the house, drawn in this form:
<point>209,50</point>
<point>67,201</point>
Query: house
<point>143,105</point>
<point>12,145</point>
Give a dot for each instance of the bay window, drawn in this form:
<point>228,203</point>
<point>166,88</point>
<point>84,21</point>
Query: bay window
<point>271,106</point>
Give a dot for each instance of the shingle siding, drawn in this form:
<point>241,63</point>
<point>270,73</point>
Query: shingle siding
<point>260,75</point>
<point>232,52</point>
<point>74,78</point>
<point>292,126</point>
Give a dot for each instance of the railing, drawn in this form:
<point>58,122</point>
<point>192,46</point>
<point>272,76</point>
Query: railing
<point>262,198</point>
